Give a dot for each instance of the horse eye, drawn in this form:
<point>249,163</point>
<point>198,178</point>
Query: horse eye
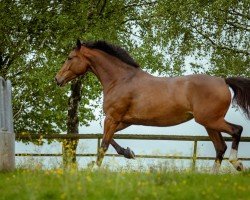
<point>69,58</point>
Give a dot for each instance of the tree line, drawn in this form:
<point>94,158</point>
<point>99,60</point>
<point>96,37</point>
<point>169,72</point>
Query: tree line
<point>163,36</point>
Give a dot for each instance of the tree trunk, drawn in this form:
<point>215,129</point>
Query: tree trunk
<point>69,146</point>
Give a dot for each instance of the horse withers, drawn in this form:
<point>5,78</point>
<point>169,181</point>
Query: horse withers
<point>134,97</point>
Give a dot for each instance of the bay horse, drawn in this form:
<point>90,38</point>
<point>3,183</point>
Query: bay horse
<point>134,97</point>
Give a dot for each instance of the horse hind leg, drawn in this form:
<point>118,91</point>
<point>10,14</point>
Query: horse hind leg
<point>235,131</point>
<point>236,135</point>
<point>220,148</point>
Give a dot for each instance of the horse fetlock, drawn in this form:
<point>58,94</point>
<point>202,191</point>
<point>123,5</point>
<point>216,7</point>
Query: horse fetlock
<point>93,166</point>
<point>128,153</point>
<point>99,161</point>
<point>216,167</point>
<point>233,155</point>
<point>102,151</point>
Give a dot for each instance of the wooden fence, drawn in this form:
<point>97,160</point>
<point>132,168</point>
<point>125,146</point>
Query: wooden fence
<point>98,137</point>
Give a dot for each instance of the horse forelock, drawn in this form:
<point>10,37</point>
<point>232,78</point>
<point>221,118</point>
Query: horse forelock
<point>113,50</point>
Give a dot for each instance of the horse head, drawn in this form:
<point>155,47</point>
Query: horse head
<point>75,65</point>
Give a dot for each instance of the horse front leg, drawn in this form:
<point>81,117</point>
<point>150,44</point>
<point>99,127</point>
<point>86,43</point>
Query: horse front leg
<point>127,153</point>
<point>110,126</point>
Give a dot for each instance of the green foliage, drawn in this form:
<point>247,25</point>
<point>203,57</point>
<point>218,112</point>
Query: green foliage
<point>36,36</point>
<point>33,43</point>
<point>216,31</point>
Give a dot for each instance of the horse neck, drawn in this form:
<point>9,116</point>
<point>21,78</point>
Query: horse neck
<point>110,70</point>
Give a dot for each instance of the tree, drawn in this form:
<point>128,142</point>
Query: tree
<point>27,31</point>
<point>214,33</point>
<point>36,36</point>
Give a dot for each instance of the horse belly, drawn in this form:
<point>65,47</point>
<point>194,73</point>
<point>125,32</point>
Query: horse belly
<point>156,103</point>
<point>158,116</point>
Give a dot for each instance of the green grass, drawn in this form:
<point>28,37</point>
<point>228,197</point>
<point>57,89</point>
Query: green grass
<point>104,184</point>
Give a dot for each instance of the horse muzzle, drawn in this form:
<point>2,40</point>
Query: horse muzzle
<point>60,81</point>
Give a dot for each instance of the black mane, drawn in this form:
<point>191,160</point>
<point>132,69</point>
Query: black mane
<point>113,50</point>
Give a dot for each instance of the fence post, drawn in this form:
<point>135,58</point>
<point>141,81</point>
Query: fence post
<point>194,155</point>
<point>98,145</point>
<point>7,136</point>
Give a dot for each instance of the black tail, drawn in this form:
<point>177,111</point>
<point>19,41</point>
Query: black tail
<point>241,88</point>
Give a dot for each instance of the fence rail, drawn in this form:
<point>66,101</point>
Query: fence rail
<point>123,136</point>
<point>194,139</point>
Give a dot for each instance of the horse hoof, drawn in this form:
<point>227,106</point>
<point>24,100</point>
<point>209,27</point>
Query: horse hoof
<point>238,165</point>
<point>128,153</point>
<point>93,166</point>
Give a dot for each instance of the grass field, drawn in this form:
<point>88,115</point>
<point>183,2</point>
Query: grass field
<point>104,184</point>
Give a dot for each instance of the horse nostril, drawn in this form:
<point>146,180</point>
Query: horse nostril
<point>56,81</point>
<point>59,81</point>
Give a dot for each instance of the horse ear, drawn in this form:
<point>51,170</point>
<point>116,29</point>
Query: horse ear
<point>78,44</point>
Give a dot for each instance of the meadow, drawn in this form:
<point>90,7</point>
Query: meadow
<point>25,184</point>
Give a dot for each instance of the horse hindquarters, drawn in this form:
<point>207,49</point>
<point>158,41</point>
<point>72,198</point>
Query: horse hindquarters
<point>211,112</point>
